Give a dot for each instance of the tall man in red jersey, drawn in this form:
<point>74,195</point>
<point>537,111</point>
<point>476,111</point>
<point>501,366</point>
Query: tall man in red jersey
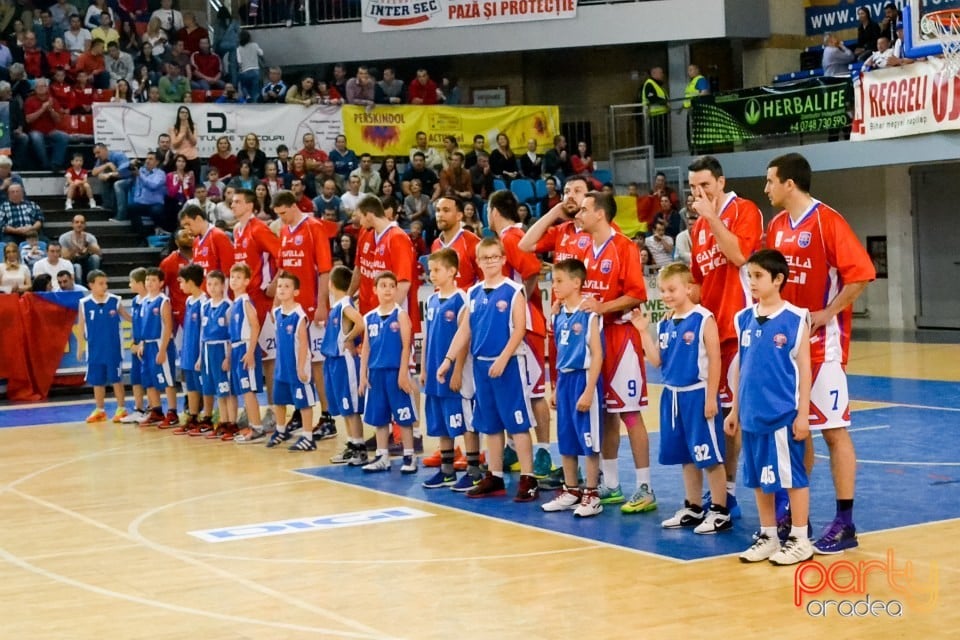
<point>305,252</point>
<point>614,286</point>
<point>829,269</point>
<point>524,268</point>
<point>728,231</point>
<point>556,231</point>
<point>212,249</point>
<point>171,271</point>
<point>383,246</point>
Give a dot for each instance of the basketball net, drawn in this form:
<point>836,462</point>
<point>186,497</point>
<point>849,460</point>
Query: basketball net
<point>945,26</point>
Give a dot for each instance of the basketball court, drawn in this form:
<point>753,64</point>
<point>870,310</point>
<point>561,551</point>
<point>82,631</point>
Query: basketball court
<point>116,531</point>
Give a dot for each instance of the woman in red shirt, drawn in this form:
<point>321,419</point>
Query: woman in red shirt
<point>59,58</point>
<point>224,159</point>
<point>61,89</point>
<point>181,185</point>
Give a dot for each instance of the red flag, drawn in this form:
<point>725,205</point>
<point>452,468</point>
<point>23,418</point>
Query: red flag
<point>48,320</point>
<point>15,369</point>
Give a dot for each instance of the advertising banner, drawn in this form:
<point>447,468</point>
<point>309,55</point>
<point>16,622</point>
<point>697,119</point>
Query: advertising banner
<point>905,101</point>
<point>132,128</point>
<point>818,105</point>
<point>398,15</point>
<point>392,130</point>
<point>822,16</point>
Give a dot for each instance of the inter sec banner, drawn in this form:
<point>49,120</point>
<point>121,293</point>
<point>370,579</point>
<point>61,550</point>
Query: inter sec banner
<point>905,101</point>
<point>132,128</point>
<point>817,105</point>
<point>398,15</point>
<point>392,130</point>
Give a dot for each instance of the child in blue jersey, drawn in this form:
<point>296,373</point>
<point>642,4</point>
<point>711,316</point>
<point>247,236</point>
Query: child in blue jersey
<point>158,352</point>
<point>246,371</point>
<point>385,375</point>
<point>691,430</point>
<point>190,278</point>
<point>99,315</point>
<point>214,362</point>
<point>341,367</point>
<point>771,402</point>
<point>138,278</point>
<point>291,373</point>
<point>577,396</point>
<point>448,413</point>
<point>497,321</point>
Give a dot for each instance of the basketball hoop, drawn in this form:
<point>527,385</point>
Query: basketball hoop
<point>944,26</point>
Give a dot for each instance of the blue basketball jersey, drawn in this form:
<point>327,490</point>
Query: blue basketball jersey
<point>287,365</point>
<point>151,319</point>
<point>101,323</point>
<point>136,334</point>
<point>769,388</point>
<point>571,332</point>
<point>333,345</point>
<point>214,326</point>
<point>491,317</point>
<point>192,317</point>
<point>682,351</point>
<point>239,327</point>
<point>442,319</point>
<point>386,344</point>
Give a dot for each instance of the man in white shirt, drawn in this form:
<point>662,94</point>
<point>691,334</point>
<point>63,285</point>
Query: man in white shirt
<point>369,179</point>
<point>683,245</point>
<point>660,245</point>
<point>349,200</point>
<point>431,156</point>
<point>52,265</point>
<point>171,20</point>
<point>883,57</point>
<point>76,38</point>
<point>201,200</point>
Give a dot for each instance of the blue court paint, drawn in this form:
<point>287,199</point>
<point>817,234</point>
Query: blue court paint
<point>888,496</point>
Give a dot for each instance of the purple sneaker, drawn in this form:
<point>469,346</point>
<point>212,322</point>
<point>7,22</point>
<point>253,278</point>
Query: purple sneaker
<point>838,537</point>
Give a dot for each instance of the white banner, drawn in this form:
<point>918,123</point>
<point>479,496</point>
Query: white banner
<point>397,15</point>
<point>904,101</point>
<point>133,128</point>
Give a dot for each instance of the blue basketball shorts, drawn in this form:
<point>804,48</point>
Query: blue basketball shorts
<point>686,436</point>
<point>447,416</point>
<point>341,376</point>
<point>136,369</point>
<point>100,374</point>
<point>773,461</point>
<point>300,395</point>
<point>214,380</point>
<point>158,376</point>
<point>501,403</point>
<point>578,432</point>
<point>385,401</point>
<point>242,379</point>
<point>191,380</point>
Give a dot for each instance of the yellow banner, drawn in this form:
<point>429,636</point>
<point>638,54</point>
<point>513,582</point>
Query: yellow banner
<point>392,130</point>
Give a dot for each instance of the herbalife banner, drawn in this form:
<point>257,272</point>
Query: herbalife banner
<point>399,15</point>
<point>818,105</point>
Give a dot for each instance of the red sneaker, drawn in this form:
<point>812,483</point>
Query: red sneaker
<point>170,420</point>
<point>488,487</point>
<point>221,429</point>
<point>152,419</point>
<point>528,489</point>
<point>229,432</point>
<point>185,428</point>
<point>202,428</point>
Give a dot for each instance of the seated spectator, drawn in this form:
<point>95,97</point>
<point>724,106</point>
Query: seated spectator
<point>275,90</point>
<point>449,90</point>
<point>345,250</point>
<point>7,177</point>
<point>416,206</point>
<point>215,186</point>
<point>170,19</point>
<point>46,32</point>
<point>482,178</point>
<point>423,90</point>
<point>431,157</point>
<point>52,265</point>
<point>387,190</point>
<point>660,245</point>
<point>360,90</point>
<point>83,95</point>
<point>156,37</point>
<point>67,282</point>
<point>391,86</point>
<point>113,170</point>
<point>230,96</point>
<point>503,163</point>
<point>33,59</point>
<point>369,179</point>
<point>200,199</point>
<point>32,250</point>
<point>328,201</point>
<point>180,57</point>
<point>553,198</point>
<point>77,184</point>
<point>206,68</point>
<point>388,171</point>
<point>43,115</point>
<point>304,93</point>
<point>683,245</point>
<point>119,67</point>
<point>134,10</point>
<point>456,180</point>
<point>58,57</point>
<point>416,238</point>
<point>327,94</point>
<point>326,172</point>
<point>479,146</point>
<point>471,220</point>
<point>450,146</point>
<point>583,165</point>
<point>91,19</point>
<point>245,179</point>
<point>556,161</point>
<point>42,283</point>
<point>836,56</point>
<point>181,183</point>
<point>661,188</point>
<point>149,192</point>
<point>883,57</point>
<point>150,59</point>
<point>304,203</point>
<point>273,181</point>
<point>250,151</point>
<point>130,41</point>
<point>523,210</point>
<point>223,213</point>
<point>62,91</point>
<point>344,160</point>
<point>105,31</point>
<point>141,84</point>
<point>166,156</point>
<point>339,82</point>
<point>531,162</point>
<point>670,217</point>
<point>192,33</point>
<point>173,86</point>
<point>313,155</point>
<point>6,56</point>
<point>76,38</point>
<point>429,181</point>
<point>350,199</point>
<point>14,275</point>
<point>224,160</point>
<point>81,248</point>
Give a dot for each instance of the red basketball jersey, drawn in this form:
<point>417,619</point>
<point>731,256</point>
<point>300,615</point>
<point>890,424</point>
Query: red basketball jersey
<point>305,252</point>
<point>391,251</point>
<point>519,266</point>
<point>465,244</point>
<point>257,246</point>
<point>564,240</point>
<point>613,270</point>
<point>213,251</point>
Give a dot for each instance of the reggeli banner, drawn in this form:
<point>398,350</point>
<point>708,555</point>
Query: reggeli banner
<point>397,15</point>
<point>905,101</point>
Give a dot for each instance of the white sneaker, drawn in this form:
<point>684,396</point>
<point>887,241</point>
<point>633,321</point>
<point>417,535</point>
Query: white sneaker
<point>69,204</point>
<point>134,417</point>
<point>269,421</point>
<point>763,549</point>
<point>249,435</point>
<point>380,463</point>
<point>566,500</point>
<point>794,551</point>
<point>93,204</point>
<point>590,505</point>
<point>684,518</point>
<point>714,522</point>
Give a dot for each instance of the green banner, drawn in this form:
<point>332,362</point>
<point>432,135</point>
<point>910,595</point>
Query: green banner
<point>818,105</point>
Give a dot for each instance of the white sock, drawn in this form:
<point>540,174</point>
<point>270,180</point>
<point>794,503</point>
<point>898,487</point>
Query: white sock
<point>611,475</point>
<point>643,477</point>
<point>384,452</point>
<point>416,432</point>
<point>798,532</point>
<point>732,487</point>
<point>541,445</point>
<point>770,532</point>
<point>407,452</point>
<point>358,441</point>
<point>497,474</point>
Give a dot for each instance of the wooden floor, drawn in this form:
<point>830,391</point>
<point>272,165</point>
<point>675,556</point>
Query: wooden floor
<point>94,543</point>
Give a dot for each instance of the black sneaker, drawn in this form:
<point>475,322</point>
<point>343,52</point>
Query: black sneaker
<point>326,431</point>
<point>349,453</point>
<point>360,457</point>
<point>396,448</point>
<point>295,423</point>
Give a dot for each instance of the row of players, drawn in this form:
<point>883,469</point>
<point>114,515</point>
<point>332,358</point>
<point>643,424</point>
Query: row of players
<point>729,232</point>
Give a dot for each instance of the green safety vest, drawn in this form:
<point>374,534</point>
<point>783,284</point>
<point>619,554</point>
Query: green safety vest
<point>655,109</point>
<point>691,91</point>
